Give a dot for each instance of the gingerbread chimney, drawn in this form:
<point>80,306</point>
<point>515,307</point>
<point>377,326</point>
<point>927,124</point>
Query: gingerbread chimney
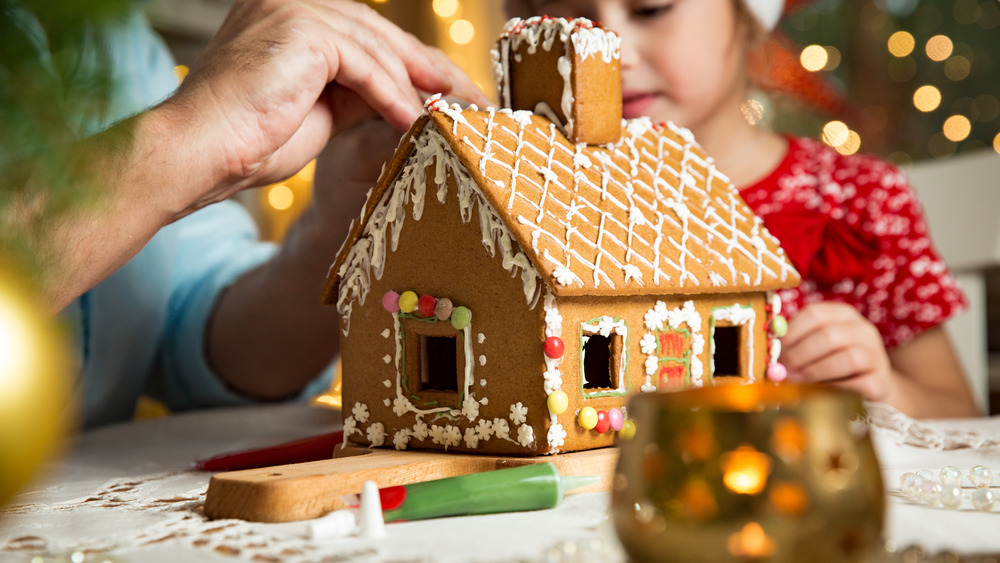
<point>566,70</point>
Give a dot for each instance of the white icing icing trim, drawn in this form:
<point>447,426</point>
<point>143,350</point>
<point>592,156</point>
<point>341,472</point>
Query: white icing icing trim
<point>481,338</point>
<point>484,430</point>
<point>386,401</point>
<point>401,405</point>
<point>482,360</point>
<point>648,344</point>
<point>376,434</point>
<point>552,379</point>
<point>605,326</point>
<point>386,333</point>
<point>737,315</point>
<point>382,230</point>
<point>360,411</point>
<point>350,427</point>
<point>401,439</point>
<point>482,383</point>
<point>420,430</point>
<point>518,413</point>
<point>471,438</point>
<point>525,435</point>
<point>387,358</point>
<point>659,318</point>
<point>501,429</point>
<point>387,383</point>
<point>557,435</point>
<point>470,408</point>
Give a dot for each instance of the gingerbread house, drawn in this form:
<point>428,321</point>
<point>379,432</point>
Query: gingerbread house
<point>517,273</point>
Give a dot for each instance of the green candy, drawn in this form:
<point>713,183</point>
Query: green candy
<point>460,317</point>
<point>779,326</point>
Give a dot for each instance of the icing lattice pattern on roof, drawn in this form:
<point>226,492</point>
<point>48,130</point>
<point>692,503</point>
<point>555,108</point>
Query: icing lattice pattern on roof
<point>648,214</point>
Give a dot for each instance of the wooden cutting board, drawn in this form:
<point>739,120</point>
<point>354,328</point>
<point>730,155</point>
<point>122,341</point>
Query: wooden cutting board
<point>301,491</point>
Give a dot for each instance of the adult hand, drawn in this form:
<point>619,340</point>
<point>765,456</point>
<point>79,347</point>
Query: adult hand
<point>281,77</point>
<point>833,343</point>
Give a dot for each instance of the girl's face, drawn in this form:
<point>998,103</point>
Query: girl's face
<point>682,60</point>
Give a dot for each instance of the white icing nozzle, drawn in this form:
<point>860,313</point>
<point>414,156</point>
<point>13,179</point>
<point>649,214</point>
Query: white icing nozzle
<point>372,522</point>
<point>337,524</point>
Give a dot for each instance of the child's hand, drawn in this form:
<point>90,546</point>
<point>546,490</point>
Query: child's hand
<point>833,343</point>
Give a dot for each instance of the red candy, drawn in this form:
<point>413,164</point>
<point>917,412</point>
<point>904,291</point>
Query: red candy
<point>426,305</point>
<point>603,422</point>
<point>554,347</point>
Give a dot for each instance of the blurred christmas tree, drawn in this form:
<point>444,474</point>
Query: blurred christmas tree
<point>920,78</point>
<point>54,85</point>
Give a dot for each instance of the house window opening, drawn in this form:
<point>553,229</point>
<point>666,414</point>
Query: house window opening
<point>600,363</point>
<point>438,363</point>
<point>726,351</point>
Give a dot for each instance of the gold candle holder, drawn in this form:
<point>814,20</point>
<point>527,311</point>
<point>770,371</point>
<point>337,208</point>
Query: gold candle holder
<point>748,473</point>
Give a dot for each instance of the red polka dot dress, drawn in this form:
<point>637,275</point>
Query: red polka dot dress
<point>854,229</point>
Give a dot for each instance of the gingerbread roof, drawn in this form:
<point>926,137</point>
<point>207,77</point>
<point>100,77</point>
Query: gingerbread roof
<point>649,214</point>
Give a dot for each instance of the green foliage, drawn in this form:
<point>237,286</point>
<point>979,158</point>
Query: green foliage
<point>52,82</point>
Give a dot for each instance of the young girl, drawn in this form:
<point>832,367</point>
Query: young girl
<point>868,315</point>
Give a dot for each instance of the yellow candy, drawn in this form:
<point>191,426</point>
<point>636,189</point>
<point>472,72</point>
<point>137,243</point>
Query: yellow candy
<point>588,417</point>
<point>628,430</point>
<point>407,302</point>
<point>558,402</point>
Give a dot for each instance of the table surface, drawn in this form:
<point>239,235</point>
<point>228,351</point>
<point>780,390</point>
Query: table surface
<point>124,493</point>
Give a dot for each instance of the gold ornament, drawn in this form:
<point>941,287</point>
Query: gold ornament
<point>35,386</point>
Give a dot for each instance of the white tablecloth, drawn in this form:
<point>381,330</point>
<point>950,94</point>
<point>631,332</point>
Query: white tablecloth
<point>124,493</point>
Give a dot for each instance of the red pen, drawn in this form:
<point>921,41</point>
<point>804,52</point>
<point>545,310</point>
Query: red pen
<point>314,448</point>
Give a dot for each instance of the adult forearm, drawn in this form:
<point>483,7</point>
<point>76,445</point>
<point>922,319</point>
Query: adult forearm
<point>269,333</point>
<point>923,401</point>
<point>131,180</point>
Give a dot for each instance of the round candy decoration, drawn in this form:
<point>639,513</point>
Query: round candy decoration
<point>391,301</point>
<point>616,419</point>
<point>426,305</point>
<point>558,402</point>
<point>460,317</point>
<point>588,417</point>
<point>628,430</point>
<point>777,372</point>
<point>779,326</point>
<point>407,301</point>
<point>554,347</point>
<point>602,422</point>
<point>443,309</point>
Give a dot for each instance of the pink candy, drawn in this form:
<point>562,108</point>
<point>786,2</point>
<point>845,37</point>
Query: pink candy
<point>391,301</point>
<point>777,372</point>
<point>616,419</point>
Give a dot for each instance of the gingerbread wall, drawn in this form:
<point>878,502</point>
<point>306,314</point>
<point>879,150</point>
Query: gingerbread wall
<point>443,256</point>
<point>632,311</point>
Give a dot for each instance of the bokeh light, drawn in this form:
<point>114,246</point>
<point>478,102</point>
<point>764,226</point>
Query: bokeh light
<point>957,68</point>
<point>835,133</point>
<point>832,58</point>
<point>462,31</point>
<point>445,8</point>
<point>851,145</point>
<point>996,143</point>
<point>901,44</point>
<point>813,58</point>
<point>957,128</point>
<point>927,98</point>
<point>280,197</point>
<point>939,48</point>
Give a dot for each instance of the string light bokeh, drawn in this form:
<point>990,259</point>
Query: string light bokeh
<point>922,77</point>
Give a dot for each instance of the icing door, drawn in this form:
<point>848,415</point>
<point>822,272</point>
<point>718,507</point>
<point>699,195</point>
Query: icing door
<point>674,357</point>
